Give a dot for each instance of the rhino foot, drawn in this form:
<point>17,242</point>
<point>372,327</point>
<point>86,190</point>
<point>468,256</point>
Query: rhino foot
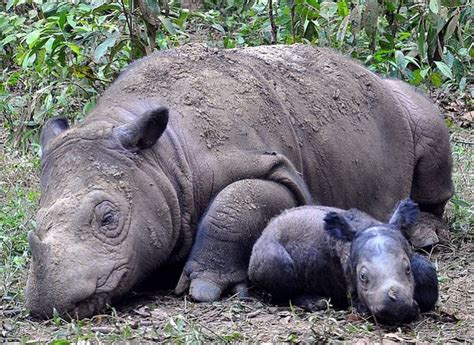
<point>427,231</point>
<point>204,291</point>
<point>208,287</point>
<point>311,303</point>
<point>221,251</point>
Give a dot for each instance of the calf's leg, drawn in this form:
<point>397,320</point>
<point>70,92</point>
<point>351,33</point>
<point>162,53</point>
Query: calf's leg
<point>426,282</point>
<point>272,268</point>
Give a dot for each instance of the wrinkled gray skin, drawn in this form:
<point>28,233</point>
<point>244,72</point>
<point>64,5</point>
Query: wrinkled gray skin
<point>220,141</point>
<point>312,252</point>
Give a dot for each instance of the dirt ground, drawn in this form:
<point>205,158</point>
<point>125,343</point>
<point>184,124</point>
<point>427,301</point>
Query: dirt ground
<point>162,317</point>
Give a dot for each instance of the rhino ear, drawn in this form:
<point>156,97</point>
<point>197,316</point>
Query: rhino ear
<point>405,215</point>
<point>336,226</point>
<point>143,132</point>
<point>51,129</point>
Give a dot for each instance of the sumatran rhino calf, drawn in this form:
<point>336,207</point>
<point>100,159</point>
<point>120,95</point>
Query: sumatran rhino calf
<point>311,252</point>
<point>220,141</point>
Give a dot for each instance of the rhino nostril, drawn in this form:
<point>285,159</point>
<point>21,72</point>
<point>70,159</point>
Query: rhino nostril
<point>393,294</point>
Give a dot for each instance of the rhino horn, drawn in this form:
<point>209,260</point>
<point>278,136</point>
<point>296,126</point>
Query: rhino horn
<point>39,249</point>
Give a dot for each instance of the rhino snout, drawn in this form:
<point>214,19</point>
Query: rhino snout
<point>44,294</point>
<point>395,305</point>
<point>59,281</point>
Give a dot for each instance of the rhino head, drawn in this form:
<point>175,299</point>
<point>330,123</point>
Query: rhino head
<point>105,219</point>
<point>380,264</point>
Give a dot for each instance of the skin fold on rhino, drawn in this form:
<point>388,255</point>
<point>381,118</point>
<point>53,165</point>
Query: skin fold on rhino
<point>312,252</point>
<point>190,153</point>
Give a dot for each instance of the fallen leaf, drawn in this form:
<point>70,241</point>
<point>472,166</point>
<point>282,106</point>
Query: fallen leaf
<point>142,311</point>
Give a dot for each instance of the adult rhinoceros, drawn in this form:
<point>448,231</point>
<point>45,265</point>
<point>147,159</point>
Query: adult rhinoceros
<point>215,143</point>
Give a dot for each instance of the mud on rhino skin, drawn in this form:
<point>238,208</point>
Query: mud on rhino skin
<point>216,142</point>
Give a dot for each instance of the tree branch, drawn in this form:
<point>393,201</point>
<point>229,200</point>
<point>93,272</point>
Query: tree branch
<point>272,22</point>
<point>128,19</point>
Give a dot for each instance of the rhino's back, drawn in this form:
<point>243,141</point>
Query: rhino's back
<point>332,118</point>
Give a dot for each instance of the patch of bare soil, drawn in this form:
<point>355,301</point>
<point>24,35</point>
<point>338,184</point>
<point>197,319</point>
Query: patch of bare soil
<point>456,111</point>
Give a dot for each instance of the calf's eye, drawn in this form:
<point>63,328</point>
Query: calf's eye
<point>363,277</point>
<point>408,269</point>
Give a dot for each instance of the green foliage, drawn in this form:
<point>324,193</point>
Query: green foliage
<point>56,57</point>
<point>461,205</point>
<point>429,44</point>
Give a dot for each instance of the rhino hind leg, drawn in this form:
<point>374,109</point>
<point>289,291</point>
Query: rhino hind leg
<point>226,234</point>
<point>432,185</point>
<point>272,268</point>
<point>311,303</point>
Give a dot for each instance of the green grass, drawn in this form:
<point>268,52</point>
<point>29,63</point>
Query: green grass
<point>19,198</point>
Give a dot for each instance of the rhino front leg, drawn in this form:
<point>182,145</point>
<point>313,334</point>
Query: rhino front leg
<point>226,234</point>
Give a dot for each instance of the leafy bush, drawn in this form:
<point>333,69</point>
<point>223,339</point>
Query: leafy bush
<point>56,57</point>
<point>423,43</point>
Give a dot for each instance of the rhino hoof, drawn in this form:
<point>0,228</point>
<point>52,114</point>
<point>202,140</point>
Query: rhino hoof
<point>427,231</point>
<point>204,290</point>
<point>311,303</point>
<point>183,284</point>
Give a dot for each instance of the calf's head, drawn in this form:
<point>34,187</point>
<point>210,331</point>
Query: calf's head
<point>380,270</point>
<point>104,219</point>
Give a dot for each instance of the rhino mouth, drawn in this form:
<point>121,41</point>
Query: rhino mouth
<point>405,315</point>
<point>107,287</point>
<point>112,281</point>
<point>90,306</point>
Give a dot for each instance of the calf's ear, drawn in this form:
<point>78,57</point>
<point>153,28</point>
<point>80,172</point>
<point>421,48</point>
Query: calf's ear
<point>51,129</point>
<point>405,215</point>
<point>144,131</point>
<point>336,226</point>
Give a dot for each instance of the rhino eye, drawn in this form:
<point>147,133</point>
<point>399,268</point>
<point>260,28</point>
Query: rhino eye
<point>408,269</point>
<point>107,219</point>
<point>363,276</point>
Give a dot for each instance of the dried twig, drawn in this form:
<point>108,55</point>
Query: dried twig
<point>272,21</point>
<point>292,12</point>
<point>462,142</point>
<point>128,19</point>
